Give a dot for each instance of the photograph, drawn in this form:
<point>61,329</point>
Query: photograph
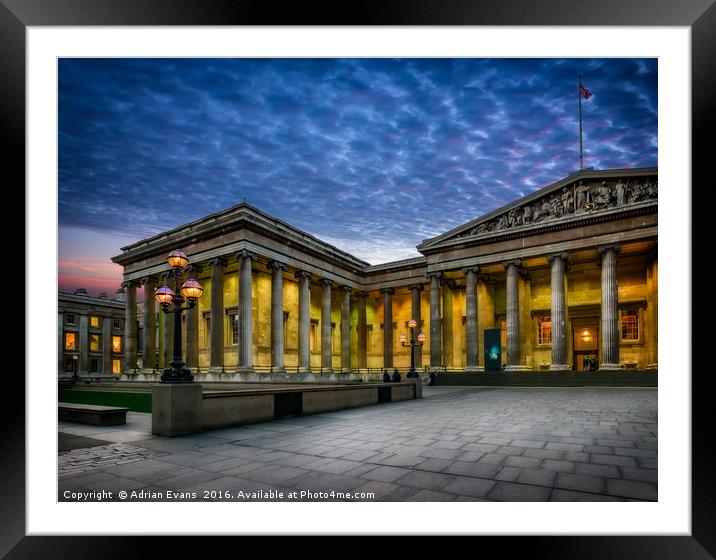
<point>369,279</point>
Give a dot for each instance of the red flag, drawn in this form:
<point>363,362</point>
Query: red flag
<point>584,91</point>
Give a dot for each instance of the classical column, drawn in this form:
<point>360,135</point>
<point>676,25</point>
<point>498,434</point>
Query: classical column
<point>652,310</point>
<point>610,316</point>
<point>107,345</point>
<point>387,326</point>
<point>346,330</point>
<point>361,328</point>
<point>415,290</point>
<point>277,349</point>
<point>448,348</point>
<point>191,324</point>
<point>471,342</point>
<point>216,316</point>
<point>436,350</point>
<point>304,321</point>
<point>149,356</point>
<point>326,349</point>
<point>558,313</point>
<point>130,327</point>
<point>514,354</point>
<point>246,328</point>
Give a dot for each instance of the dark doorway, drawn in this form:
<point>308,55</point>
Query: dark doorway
<point>287,404</point>
<point>586,344</point>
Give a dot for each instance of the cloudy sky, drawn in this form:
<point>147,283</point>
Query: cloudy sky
<point>370,155</point>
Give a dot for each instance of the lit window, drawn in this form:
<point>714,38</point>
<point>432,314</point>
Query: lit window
<point>544,330</point>
<point>70,319</point>
<point>70,341</point>
<point>312,337</point>
<point>117,324</point>
<point>94,366</point>
<point>94,321</point>
<point>630,324</point>
<point>95,342</point>
<point>207,330</point>
<point>116,344</point>
<point>116,367</point>
<point>234,326</point>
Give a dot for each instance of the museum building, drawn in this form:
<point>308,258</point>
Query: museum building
<point>562,279</point>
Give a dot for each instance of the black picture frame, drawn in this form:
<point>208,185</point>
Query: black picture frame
<point>699,15</point>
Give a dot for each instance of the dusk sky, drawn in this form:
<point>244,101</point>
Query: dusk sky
<point>370,155</point>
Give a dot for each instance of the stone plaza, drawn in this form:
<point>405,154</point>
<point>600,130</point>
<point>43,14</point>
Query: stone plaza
<point>455,444</point>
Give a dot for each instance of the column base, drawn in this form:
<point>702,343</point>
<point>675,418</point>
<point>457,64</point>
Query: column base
<point>560,367</point>
<point>215,370</point>
<point>281,369</point>
<point>244,369</point>
<point>346,370</point>
<point>518,367</point>
<point>610,367</point>
<point>327,371</point>
<point>652,366</point>
<point>474,369</point>
<point>305,370</point>
<point>150,371</point>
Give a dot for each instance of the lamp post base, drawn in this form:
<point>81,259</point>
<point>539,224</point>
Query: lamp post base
<point>182,375</point>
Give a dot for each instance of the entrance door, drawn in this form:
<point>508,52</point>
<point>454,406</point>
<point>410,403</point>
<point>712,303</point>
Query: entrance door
<point>586,344</point>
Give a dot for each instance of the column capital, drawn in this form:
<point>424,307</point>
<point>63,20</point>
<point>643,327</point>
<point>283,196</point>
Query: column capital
<point>146,280</point>
<point>361,294</point>
<point>418,287</point>
<point>346,289</point>
<point>129,284</point>
<point>562,255</point>
<point>435,274</point>
<point>276,265</point>
<point>193,269</point>
<point>516,262</point>
<point>217,261</point>
<point>390,291</point>
<point>474,269</point>
<point>601,249</point>
<point>326,282</point>
<point>449,282</point>
<point>166,275</point>
<point>301,274</point>
<point>245,254</point>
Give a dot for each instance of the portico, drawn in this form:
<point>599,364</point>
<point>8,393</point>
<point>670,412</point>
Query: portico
<point>541,270</point>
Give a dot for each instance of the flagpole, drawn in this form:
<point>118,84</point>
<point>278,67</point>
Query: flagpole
<point>579,97</point>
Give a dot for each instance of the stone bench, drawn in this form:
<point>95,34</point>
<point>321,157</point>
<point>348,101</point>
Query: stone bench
<point>92,414</point>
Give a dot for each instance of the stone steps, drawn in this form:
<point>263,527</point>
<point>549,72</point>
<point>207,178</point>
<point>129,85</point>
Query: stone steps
<point>552,379</point>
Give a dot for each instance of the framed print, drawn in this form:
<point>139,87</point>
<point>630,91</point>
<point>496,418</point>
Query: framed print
<point>60,64</point>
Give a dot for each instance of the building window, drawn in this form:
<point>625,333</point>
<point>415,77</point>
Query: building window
<point>630,325</point>
<point>140,339</point>
<point>207,330</point>
<point>70,341</point>
<point>544,330</point>
<point>116,344</point>
<point>117,324</point>
<point>233,317</point>
<point>94,321</point>
<point>285,329</point>
<point>70,319</point>
<point>95,342</point>
<point>116,367</point>
<point>94,366</point>
<point>335,345</point>
<point>313,335</point>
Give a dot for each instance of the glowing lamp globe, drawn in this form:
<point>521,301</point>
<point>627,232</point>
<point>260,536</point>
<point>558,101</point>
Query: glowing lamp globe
<point>177,259</point>
<point>412,323</point>
<point>402,337</point>
<point>191,289</point>
<point>164,294</point>
<point>421,337</point>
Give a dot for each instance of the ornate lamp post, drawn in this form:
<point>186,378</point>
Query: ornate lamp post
<point>171,301</point>
<point>413,343</point>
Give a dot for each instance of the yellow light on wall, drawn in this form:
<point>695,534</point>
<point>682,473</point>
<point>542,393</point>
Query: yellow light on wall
<point>586,336</point>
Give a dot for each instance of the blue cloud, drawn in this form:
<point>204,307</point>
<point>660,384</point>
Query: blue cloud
<point>350,150</point>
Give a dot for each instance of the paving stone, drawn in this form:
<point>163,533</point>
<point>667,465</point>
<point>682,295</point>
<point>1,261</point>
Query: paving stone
<point>559,495</point>
<point>511,492</point>
<point>636,452</point>
<point>576,457</point>
<point>644,475</point>
<point>476,487</point>
<point>609,471</point>
<point>472,456</point>
<point>599,449</point>
<point>403,460</point>
<point>510,450</point>
<point>528,443</point>
<point>564,446</point>
<point>612,460</point>
<point>560,466</point>
<point>538,477</point>
<point>492,459</point>
<point>580,482</point>
<point>473,469</point>
<point>632,489</point>
<point>528,462</point>
<point>429,480</point>
<point>555,454</point>
<point>508,474</point>
<point>385,474</point>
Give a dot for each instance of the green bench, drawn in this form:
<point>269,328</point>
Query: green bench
<point>92,414</point>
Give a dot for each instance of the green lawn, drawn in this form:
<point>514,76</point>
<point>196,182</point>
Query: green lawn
<point>138,402</point>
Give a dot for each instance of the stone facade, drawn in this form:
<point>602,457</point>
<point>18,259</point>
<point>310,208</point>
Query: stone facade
<point>568,273</point>
<point>90,334</point>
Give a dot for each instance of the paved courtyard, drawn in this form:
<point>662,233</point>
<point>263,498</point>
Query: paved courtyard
<point>457,444</point>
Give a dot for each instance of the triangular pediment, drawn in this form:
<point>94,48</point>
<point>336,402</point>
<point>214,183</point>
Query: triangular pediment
<point>578,195</point>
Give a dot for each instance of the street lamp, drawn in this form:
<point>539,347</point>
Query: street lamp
<point>75,360</point>
<point>412,344</point>
<point>171,302</point>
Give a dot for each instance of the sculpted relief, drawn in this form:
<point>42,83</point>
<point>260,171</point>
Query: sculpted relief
<point>573,200</point>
